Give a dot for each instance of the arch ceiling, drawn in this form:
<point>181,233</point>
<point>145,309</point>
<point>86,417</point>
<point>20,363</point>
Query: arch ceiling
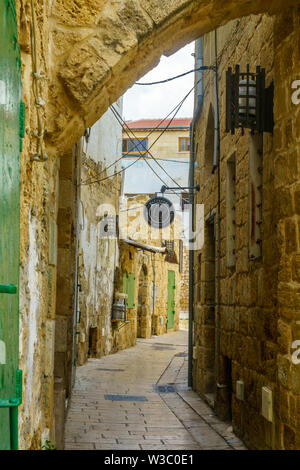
<point>99,48</point>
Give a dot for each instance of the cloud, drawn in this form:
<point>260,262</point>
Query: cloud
<point>157,101</point>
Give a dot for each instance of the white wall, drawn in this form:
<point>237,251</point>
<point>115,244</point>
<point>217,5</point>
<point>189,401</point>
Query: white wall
<point>105,142</point>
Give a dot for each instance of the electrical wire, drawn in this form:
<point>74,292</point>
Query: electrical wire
<point>204,67</point>
<point>132,208</point>
<point>130,130</point>
<point>148,135</point>
<point>139,158</point>
<point>121,121</point>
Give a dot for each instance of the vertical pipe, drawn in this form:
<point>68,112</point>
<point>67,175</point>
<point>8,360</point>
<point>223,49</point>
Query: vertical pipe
<point>78,157</point>
<point>191,262</point>
<point>198,109</point>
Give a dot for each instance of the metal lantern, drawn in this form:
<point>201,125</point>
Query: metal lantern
<point>249,104</point>
<point>119,308</point>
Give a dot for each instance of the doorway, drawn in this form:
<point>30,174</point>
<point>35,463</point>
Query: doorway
<point>143,324</point>
<point>209,307</point>
<point>171,300</point>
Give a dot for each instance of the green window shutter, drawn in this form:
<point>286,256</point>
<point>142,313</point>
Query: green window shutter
<point>128,288</point>
<point>130,292</point>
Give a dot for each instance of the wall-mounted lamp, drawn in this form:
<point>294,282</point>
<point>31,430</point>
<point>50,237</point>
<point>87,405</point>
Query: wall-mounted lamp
<point>249,104</point>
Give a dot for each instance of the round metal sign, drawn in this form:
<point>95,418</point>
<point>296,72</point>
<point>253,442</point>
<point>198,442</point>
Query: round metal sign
<point>159,212</point>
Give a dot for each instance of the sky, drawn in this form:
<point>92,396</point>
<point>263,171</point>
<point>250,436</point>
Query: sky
<point>157,101</point>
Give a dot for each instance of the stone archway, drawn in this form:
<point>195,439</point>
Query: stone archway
<point>101,48</point>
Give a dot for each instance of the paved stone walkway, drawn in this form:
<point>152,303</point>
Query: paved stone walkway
<point>177,420</point>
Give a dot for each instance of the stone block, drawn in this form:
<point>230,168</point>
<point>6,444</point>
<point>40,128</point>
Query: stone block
<point>284,371</point>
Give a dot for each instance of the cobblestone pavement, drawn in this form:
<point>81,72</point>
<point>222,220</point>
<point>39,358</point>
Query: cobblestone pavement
<point>177,420</point>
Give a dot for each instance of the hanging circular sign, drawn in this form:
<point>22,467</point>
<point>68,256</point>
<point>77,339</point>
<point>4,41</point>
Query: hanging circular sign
<point>159,212</point>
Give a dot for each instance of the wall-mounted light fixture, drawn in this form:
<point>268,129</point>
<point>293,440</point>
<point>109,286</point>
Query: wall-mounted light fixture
<point>249,104</point>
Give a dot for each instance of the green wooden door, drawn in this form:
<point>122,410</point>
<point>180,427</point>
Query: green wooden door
<point>10,138</point>
<point>171,299</point>
<point>128,288</point>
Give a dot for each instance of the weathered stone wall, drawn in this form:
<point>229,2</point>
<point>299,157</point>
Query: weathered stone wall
<point>259,295</point>
<point>286,219</point>
<point>39,207</point>
<point>98,260</point>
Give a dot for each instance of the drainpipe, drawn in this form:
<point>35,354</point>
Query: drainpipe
<point>198,106</point>
<point>217,165</point>
<point>191,263</point>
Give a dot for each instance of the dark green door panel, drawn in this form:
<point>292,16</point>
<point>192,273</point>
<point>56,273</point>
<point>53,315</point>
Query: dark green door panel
<point>171,299</point>
<point>10,132</point>
<point>128,288</point>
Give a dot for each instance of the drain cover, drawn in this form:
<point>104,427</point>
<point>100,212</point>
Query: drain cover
<point>164,388</point>
<point>125,397</point>
<point>111,370</point>
<point>181,354</point>
<point>169,348</point>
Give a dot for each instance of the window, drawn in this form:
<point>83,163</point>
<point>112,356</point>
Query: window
<point>170,253</point>
<point>230,211</point>
<point>209,144</point>
<point>134,147</point>
<point>199,278</point>
<point>255,195</point>
<point>184,144</point>
<point>180,256</point>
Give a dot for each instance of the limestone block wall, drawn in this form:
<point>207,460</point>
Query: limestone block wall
<point>258,296</point>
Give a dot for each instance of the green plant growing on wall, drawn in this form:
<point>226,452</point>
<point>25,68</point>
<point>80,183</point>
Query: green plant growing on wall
<point>48,445</point>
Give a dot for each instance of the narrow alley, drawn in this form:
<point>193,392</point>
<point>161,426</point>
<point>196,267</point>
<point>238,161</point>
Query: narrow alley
<point>150,226</point>
<point>138,399</point>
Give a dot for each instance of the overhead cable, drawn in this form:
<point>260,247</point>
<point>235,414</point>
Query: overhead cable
<point>204,67</point>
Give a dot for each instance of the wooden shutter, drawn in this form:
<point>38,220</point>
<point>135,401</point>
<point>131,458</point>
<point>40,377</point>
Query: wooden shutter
<point>128,288</point>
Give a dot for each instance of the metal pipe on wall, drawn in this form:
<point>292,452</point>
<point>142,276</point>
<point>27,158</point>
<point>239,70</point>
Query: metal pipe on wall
<point>198,107</point>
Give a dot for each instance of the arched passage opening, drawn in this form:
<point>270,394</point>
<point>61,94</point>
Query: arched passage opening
<point>143,324</point>
<point>101,49</point>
